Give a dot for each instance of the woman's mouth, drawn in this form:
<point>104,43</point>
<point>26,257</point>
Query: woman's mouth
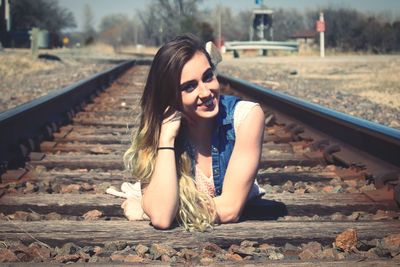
<point>209,103</point>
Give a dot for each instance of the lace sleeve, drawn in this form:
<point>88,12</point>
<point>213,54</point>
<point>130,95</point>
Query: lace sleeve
<point>242,109</point>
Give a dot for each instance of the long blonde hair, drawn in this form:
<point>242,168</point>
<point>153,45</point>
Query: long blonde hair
<point>196,209</point>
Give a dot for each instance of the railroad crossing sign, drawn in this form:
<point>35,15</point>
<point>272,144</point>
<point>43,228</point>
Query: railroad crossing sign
<point>65,40</point>
<point>320,26</point>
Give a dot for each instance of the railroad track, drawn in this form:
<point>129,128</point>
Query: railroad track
<point>322,203</point>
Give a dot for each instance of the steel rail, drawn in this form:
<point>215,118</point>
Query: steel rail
<point>31,122</point>
<point>28,124</point>
<point>381,142</point>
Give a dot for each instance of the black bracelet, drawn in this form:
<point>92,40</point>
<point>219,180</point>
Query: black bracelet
<point>165,147</point>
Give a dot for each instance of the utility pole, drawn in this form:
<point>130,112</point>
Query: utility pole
<point>320,25</point>
<point>5,22</point>
<point>8,15</point>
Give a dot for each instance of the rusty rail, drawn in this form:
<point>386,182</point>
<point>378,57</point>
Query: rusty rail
<point>24,127</point>
<point>375,145</point>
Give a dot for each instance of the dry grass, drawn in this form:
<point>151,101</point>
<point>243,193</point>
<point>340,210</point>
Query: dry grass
<point>100,48</point>
<point>23,78</point>
<point>371,76</point>
<point>389,99</point>
<point>140,49</point>
<point>21,63</point>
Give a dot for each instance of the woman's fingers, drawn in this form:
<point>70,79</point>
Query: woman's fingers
<point>170,126</point>
<point>124,204</point>
<point>177,116</point>
<point>132,209</point>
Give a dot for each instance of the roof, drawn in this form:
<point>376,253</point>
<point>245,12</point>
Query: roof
<point>304,34</point>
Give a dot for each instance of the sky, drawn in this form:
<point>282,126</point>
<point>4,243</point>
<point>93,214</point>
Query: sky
<point>102,8</point>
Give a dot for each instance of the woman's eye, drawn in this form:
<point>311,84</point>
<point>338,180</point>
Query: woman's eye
<point>189,87</point>
<point>208,76</point>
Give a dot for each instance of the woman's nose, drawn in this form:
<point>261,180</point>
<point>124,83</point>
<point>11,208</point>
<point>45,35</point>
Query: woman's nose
<point>204,91</point>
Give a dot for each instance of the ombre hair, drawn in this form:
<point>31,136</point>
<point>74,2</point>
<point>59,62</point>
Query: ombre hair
<point>196,209</point>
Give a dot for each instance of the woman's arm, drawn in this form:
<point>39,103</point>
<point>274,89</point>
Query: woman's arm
<point>160,200</point>
<point>242,167</point>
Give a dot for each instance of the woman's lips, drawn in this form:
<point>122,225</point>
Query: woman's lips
<point>210,102</point>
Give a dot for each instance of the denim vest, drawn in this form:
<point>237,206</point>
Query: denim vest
<point>223,140</point>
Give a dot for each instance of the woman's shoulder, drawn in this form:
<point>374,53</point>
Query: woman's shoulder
<point>242,110</point>
<point>245,105</point>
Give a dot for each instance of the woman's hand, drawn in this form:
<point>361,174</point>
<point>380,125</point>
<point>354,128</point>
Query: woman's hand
<point>170,128</point>
<point>133,209</point>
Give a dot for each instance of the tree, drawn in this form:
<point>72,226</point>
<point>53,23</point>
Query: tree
<point>344,27</point>
<point>152,25</point>
<point>351,30</point>
<point>117,30</point>
<point>286,22</point>
<point>164,19</point>
<point>243,22</point>
<point>88,29</point>
<point>44,14</point>
<point>223,15</point>
<point>206,32</point>
<point>395,28</point>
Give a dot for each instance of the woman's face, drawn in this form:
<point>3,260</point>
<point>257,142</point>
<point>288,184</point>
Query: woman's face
<point>200,88</point>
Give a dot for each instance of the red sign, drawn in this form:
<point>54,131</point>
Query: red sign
<point>320,26</point>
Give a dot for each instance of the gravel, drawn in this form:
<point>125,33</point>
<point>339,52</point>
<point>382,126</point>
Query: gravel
<point>363,86</point>
<point>23,78</point>
<point>347,246</point>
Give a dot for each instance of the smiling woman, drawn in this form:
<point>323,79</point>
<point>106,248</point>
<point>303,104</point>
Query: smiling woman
<point>200,95</point>
<point>196,152</point>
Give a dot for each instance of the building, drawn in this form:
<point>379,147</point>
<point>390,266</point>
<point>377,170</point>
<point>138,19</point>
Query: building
<point>304,37</point>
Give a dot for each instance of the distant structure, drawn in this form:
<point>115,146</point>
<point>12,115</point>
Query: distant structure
<point>262,22</point>
<point>304,37</point>
<point>11,36</point>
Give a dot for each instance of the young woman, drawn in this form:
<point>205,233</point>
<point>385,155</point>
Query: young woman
<point>196,152</point>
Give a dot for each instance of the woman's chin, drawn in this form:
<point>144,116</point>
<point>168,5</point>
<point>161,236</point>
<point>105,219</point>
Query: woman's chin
<point>207,113</point>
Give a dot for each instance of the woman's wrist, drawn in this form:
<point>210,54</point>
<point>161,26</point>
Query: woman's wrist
<point>165,148</point>
<point>166,142</point>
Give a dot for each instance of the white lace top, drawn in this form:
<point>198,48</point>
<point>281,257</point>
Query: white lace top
<point>206,184</point>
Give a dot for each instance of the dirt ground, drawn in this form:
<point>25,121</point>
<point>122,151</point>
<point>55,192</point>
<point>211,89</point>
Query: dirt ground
<point>371,76</point>
<point>360,85</point>
<point>24,78</point>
